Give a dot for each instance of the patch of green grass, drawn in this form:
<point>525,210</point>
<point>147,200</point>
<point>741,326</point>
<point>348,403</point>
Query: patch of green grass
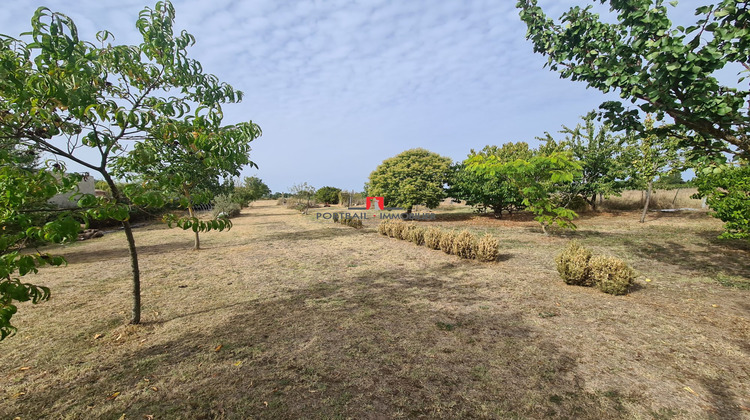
<point>444,326</point>
<point>733,281</point>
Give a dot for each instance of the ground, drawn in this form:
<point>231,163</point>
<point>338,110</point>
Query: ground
<point>286,316</point>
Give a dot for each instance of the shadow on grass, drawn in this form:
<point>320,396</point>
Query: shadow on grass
<point>81,256</point>
<point>315,234</point>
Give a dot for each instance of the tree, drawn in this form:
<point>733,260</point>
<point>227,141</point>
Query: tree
<point>599,153</point>
<point>649,157</point>
<point>489,191</point>
<point>536,179</point>
<point>328,195</point>
<point>303,195</point>
<point>667,71</point>
<point>413,177</point>
<point>727,192</point>
<point>187,166</point>
<point>85,103</point>
<point>22,190</point>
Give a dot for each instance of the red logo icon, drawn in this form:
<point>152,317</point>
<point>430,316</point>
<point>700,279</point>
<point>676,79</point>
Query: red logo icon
<point>379,200</point>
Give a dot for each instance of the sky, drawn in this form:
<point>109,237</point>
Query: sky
<point>338,86</point>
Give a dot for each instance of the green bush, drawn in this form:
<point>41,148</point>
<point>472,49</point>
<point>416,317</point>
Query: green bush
<point>225,206</point>
<point>416,235</point>
<point>573,265</point>
<point>432,237</point>
<point>611,275</point>
<point>447,238</point>
<point>488,248</point>
<point>464,245</point>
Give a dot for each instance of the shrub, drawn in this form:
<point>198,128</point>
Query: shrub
<point>611,275</point>
<point>225,206</point>
<point>432,237</point>
<point>416,235</point>
<point>573,265</point>
<point>447,238</point>
<point>464,244</point>
<point>488,248</point>
<point>405,233</point>
<point>352,222</point>
<point>396,227</point>
<point>384,227</point>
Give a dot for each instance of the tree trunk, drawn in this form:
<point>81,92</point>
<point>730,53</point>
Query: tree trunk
<point>136,316</point>
<point>601,199</point>
<point>117,196</point>
<point>191,212</point>
<point>648,200</point>
<point>593,203</point>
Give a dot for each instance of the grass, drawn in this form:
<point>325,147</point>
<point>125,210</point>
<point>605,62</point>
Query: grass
<point>289,317</point>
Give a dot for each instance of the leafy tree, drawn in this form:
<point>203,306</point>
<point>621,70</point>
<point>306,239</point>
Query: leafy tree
<point>180,158</point>
<point>598,152</point>
<point>328,195</point>
<point>85,103</point>
<point>536,179</point>
<point>256,188</point>
<point>413,177</point>
<point>650,157</point>
<point>666,70</point>
<point>727,192</point>
<point>21,192</point>
<point>485,190</point>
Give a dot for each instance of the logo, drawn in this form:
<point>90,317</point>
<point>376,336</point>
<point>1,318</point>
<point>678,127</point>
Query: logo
<point>374,204</point>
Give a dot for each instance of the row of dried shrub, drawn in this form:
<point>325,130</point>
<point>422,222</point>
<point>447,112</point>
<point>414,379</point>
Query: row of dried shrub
<point>463,244</point>
<point>578,266</point>
<point>347,221</point>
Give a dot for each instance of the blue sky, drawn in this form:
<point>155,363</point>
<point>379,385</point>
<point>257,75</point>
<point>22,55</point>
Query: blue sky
<point>339,86</point>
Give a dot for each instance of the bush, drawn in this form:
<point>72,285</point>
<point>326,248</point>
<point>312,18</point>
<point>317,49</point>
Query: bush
<point>416,235</point>
<point>384,227</point>
<point>225,206</point>
<point>573,265</point>
<point>352,222</point>
<point>447,238</point>
<point>488,248</point>
<point>396,227</point>
<point>432,237</point>
<point>611,275</point>
<point>464,244</point>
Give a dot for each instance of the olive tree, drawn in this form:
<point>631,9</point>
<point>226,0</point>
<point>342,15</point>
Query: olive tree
<point>87,101</point>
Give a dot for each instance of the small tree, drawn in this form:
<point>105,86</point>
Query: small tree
<point>303,195</point>
<point>413,177</point>
<point>328,195</point>
<point>536,179</point>
<point>85,103</point>
<point>489,191</point>
<point>727,192</point>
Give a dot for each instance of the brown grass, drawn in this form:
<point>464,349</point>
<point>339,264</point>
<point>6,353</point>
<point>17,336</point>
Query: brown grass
<point>288,317</point>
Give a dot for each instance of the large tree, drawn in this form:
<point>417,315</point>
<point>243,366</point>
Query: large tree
<point>665,70</point>
<point>413,177</point>
<point>88,102</point>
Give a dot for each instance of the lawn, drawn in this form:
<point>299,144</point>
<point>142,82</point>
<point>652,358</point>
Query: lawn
<point>289,317</point>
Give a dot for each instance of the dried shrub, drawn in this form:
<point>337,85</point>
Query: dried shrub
<point>416,235</point>
<point>396,229</point>
<point>447,238</point>
<point>432,237</point>
<point>464,244</point>
<point>224,206</point>
<point>350,221</point>
<point>611,275</point>
<point>384,227</point>
<point>488,248</point>
<point>573,265</point>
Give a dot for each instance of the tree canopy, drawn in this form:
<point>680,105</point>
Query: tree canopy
<point>413,177</point>
<point>666,70</point>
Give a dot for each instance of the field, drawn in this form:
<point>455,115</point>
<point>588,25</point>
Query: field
<point>287,316</point>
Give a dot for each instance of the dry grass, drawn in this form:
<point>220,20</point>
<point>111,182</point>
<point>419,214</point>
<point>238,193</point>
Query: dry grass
<point>287,317</point>
<point>660,199</point>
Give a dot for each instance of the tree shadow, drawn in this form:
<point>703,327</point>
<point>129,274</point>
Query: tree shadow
<point>315,234</point>
<point>91,255</point>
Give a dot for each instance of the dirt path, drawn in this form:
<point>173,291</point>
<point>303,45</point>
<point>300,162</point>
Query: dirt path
<point>287,317</point>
